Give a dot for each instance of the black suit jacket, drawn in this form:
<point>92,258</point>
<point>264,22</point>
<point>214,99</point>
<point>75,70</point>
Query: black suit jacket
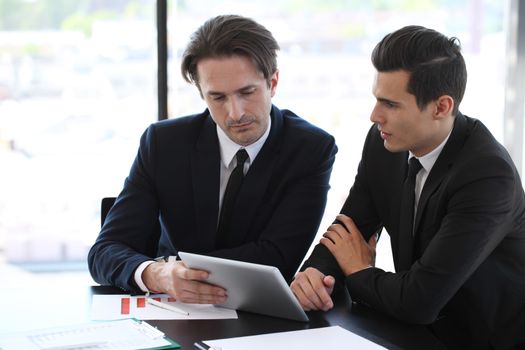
<point>464,273</point>
<point>175,179</point>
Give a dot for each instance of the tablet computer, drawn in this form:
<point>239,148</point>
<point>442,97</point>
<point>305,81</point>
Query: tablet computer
<point>251,287</point>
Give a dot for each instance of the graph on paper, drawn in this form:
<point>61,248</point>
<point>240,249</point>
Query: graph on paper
<point>120,306</point>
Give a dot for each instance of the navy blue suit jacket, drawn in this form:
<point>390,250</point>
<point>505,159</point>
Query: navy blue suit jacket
<point>175,179</point>
<point>464,271</point>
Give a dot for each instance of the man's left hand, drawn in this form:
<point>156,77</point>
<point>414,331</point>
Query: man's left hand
<point>347,245</point>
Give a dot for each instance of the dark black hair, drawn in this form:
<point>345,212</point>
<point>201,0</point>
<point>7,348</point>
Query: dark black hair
<point>434,62</point>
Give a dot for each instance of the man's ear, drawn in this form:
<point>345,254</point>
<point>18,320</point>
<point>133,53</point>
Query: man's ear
<point>274,79</point>
<point>444,106</point>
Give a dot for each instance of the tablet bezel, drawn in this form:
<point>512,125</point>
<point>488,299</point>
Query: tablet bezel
<point>251,287</point>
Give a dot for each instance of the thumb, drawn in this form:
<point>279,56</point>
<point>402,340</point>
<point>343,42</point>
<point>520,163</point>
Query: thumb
<point>372,242</point>
<point>329,281</point>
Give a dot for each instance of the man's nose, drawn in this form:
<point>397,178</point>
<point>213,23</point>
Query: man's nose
<point>235,108</point>
<point>375,115</point>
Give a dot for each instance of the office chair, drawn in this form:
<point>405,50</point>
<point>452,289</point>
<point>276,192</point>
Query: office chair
<point>106,204</point>
<point>164,245</point>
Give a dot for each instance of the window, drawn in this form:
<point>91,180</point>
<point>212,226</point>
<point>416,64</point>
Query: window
<point>325,69</point>
<point>78,87</point>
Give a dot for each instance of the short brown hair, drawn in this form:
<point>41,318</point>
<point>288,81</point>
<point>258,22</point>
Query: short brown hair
<point>226,36</point>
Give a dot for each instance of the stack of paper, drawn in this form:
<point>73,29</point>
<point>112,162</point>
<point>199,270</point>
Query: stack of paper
<point>310,339</point>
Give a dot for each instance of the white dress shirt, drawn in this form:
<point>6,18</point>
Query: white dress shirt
<point>427,161</point>
<point>228,150</point>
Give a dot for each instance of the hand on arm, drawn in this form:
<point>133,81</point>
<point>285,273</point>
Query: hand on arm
<point>184,284</point>
<point>313,289</point>
<point>347,245</point>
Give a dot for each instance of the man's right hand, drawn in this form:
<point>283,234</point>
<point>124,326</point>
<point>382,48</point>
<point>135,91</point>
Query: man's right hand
<point>313,289</point>
<point>184,284</point>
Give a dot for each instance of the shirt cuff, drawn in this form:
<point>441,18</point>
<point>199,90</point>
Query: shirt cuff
<point>138,275</point>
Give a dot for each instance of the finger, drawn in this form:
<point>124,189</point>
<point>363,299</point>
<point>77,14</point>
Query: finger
<point>328,243</point>
<point>193,281</point>
<point>351,226</point>
<point>306,304</point>
<point>199,292</point>
<point>329,282</point>
<point>316,290</point>
<point>338,229</point>
<point>373,241</point>
<point>323,300</point>
<point>332,236</point>
<point>348,223</point>
<point>200,288</point>
<point>185,273</point>
<point>186,297</point>
<point>307,290</point>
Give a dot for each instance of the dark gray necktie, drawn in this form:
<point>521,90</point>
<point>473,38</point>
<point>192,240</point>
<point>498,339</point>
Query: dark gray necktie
<point>229,198</point>
<point>406,216</point>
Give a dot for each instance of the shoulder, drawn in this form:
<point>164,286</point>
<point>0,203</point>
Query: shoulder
<point>481,155</point>
<point>184,123</point>
<point>299,139</point>
<point>296,127</point>
<point>480,143</point>
<point>183,128</point>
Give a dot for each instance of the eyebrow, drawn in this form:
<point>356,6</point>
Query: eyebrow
<point>386,100</point>
<point>244,88</point>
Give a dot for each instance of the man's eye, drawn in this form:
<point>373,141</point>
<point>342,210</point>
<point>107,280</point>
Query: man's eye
<point>390,104</point>
<point>218,98</point>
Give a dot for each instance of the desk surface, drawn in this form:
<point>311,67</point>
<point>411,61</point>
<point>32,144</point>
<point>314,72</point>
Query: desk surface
<point>48,305</point>
<point>367,323</point>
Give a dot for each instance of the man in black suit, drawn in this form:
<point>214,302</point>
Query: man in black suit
<point>181,174</point>
<point>460,260</point>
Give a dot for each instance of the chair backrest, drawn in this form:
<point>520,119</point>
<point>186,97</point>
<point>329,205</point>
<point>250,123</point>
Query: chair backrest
<point>162,247</point>
<point>105,205</point>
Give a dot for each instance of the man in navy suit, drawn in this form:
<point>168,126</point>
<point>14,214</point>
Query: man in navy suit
<point>182,168</point>
<point>460,260</point>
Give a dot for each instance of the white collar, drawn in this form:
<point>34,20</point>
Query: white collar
<point>229,148</point>
<point>429,159</point>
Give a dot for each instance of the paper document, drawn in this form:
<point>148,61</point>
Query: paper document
<point>310,339</point>
<point>120,306</point>
<point>115,335</point>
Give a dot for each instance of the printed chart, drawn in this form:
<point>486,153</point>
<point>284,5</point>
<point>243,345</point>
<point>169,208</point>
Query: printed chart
<point>121,306</point>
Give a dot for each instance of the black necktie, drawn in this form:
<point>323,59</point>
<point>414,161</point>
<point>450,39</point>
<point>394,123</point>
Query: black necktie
<point>228,200</point>
<point>406,216</point>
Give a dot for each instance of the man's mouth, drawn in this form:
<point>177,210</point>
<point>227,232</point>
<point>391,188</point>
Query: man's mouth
<point>384,135</point>
<point>241,125</point>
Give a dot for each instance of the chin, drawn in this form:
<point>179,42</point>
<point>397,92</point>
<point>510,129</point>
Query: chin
<point>393,148</point>
<point>246,140</point>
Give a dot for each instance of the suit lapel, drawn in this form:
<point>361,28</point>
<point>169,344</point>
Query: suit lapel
<point>443,163</point>
<point>205,171</point>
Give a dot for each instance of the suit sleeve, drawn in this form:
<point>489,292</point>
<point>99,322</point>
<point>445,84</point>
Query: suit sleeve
<point>127,237</point>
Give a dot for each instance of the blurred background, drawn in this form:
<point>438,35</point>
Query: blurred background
<point>78,86</point>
